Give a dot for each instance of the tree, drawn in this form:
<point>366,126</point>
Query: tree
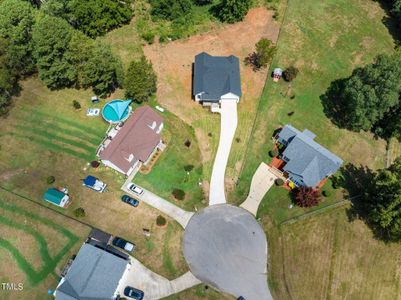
<point>79,212</point>
<point>263,55</point>
<point>16,21</point>
<point>290,73</point>
<point>170,9</point>
<point>231,11</point>
<point>96,17</point>
<point>8,78</point>
<point>161,221</point>
<point>383,199</point>
<point>362,100</point>
<point>102,71</point>
<point>140,80</point>
<point>51,37</point>
<point>307,196</point>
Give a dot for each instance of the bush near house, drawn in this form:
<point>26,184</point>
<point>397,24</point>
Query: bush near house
<point>178,194</point>
<point>273,152</point>
<point>307,196</point>
<point>279,182</point>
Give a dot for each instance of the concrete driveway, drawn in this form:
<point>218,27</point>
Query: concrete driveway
<point>228,126</point>
<point>166,207</point>
<point>153,285</point>
<point>262,181</point>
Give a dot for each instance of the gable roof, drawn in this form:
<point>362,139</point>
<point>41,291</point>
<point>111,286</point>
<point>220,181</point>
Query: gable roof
<point>309,162</point>
<point>54,196</point>
<point>135,138</point>
<point>94,274</point>
<point>215,76</point>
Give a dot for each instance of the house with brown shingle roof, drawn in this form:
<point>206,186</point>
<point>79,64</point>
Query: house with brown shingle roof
<point>133,143</point>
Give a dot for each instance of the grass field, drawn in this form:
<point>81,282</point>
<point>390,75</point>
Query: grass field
<point>315,39</point>
<point>329,257</point>
<point>34,245</point>
<point>44,136</point>
<point>168,172</point>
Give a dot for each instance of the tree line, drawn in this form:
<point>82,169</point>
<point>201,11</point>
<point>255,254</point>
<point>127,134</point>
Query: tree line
<point>55,40</point>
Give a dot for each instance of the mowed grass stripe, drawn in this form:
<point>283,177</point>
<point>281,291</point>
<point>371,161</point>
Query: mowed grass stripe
<point>52,125</point>
<point>43,249</point>
<point>21,211</point>
<point>78,143</point>
<point>49,264</point>
<point>63,120</point>
<point>52,146</point>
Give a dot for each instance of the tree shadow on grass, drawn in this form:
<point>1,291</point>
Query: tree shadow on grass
<point>334,105</point>
<point>357,182</point>
<point>390,21</point>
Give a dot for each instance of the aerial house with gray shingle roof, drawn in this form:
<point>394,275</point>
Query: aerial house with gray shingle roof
<point>306,163</point>
<point>94,274</point>
<point>216,79</point>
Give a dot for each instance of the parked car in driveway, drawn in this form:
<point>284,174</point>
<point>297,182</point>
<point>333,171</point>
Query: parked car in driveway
<point>129,200</point>
<point>135,189</point>
<point>133,293</point>
<point>123,244</point>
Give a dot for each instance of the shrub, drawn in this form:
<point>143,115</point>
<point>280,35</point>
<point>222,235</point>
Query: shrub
<point>95,164</point>
<point>188,168</point>
<point>263,55</point>
<point>290,113</point>
<point>326,193</point>
<point>210,134</point>
<point>50,179</point>
<point>307,196</point>
<point>76,104</point>
<point>178,194</point>
<point>290,73</point>
<point>273,152</point>
<point>79,212</point>
<point>161,221</point>
<point>149,37</point>
<point>187,143</point>
<point>238,140</point>
<point>279,182</point>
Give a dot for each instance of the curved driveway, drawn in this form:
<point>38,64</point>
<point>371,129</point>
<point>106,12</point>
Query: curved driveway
<point>229,121</point>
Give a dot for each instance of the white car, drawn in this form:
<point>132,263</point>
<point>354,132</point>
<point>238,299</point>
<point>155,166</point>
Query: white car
<point>135,189</point>
<point>93,112</point>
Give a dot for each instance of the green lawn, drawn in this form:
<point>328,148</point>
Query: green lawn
<point>325,41</point>
<point>168,172</point>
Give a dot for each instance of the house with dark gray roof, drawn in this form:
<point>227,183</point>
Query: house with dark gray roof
<point>94,274</point>
<point>216,79</point>
<point>307,163</point>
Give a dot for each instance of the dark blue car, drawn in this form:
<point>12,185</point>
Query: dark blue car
<point>133,293</point>
<point>130,201</point>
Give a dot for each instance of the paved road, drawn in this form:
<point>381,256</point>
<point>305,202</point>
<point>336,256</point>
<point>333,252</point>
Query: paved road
<point>228,126</point>
<point>166,207</point>
<point>225,247</point>
<point>262,181</point>
<point>153,285</point>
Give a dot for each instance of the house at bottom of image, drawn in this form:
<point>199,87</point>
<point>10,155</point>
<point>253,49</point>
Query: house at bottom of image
<point>130,144</point>
<point>303,161</point>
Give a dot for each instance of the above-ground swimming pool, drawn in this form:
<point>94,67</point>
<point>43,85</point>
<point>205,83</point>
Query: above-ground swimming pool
<point>116,111</point>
